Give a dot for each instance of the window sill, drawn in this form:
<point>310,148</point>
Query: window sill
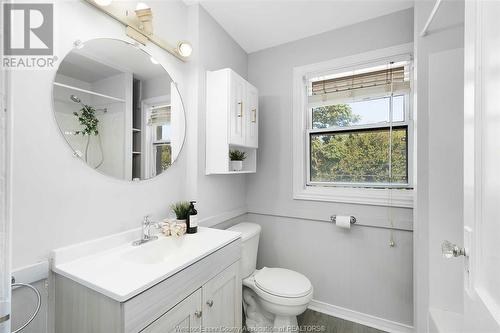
<point>364,196</point>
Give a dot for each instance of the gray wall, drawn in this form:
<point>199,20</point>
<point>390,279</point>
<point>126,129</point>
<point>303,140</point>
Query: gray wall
<point>354,269</point>
<point>438,211</point>
<point>216,193</point>
<point>45,173</point>
<point>95,205</point>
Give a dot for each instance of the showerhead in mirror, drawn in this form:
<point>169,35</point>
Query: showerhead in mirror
<point>77,99</point>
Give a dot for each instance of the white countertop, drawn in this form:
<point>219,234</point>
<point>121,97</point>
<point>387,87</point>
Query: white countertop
<point>115,268</point>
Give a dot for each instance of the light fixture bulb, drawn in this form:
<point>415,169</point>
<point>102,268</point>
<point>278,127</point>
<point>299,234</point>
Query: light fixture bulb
<point>154,61</point>
<point>141,6</point>
<point>184,49</point>
<point>103,2</point>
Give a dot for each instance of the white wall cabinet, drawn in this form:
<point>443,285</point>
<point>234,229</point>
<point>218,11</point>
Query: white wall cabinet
<point>205,295</point>
<point>232,121</point>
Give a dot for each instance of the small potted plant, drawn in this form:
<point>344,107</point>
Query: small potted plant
<point>237,157</point>
<point>181,210</point>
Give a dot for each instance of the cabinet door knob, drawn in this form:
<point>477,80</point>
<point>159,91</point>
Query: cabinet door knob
<point>198,314</point>
<point>210,303</point>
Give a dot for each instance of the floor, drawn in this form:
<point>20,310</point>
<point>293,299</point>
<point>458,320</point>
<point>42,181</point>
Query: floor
<point>316,322</point>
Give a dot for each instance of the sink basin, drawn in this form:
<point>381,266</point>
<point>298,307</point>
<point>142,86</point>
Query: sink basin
<point>115,268</point>
<point>153,252</point>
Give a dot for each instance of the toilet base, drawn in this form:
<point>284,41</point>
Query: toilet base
<point>259,320</point>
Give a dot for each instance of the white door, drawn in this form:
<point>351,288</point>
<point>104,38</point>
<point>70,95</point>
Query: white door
<point>252,119</point>
<point>185,317</point>
<point>222,301</point>
<point>236,109</point>
<point>482,167</point>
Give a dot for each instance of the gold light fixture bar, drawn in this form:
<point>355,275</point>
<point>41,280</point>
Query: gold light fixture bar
<point>139,33</point>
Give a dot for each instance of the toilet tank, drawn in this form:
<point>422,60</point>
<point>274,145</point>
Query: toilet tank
<point>250,233</point>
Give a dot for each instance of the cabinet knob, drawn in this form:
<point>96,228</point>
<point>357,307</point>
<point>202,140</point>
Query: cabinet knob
<point>198,314</point>
<point>210,303</point>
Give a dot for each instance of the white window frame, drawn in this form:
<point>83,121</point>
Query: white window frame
<point>148,144</point>
<point>347,193</point>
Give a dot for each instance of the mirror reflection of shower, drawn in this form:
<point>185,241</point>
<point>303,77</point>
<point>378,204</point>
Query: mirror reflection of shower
<point>89,110</point>
<point>119,112</point>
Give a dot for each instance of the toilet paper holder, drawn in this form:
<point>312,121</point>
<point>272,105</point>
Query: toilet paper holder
<point>333,219</point>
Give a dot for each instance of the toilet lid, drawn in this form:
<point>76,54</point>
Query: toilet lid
<point>282,282</point>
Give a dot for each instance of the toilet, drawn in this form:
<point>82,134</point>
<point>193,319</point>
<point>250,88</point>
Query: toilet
<point>272,297</point>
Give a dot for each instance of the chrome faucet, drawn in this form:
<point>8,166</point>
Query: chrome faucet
<point>147,224</point>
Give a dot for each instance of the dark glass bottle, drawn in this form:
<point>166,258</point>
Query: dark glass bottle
<point>192,220</point>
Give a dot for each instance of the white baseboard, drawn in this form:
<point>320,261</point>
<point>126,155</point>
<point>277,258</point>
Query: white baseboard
<point>32,273</point>
<point>360,318</point>
<point>216,219</point>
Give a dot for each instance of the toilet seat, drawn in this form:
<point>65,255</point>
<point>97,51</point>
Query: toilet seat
<point>282,282</point>
<point>275,299</point>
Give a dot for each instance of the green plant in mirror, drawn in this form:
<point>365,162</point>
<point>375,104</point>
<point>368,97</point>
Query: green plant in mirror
<point>180,209</point>
<point>237,155</point>
<point>88,120</point>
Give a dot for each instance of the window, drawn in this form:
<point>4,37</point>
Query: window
<point>354,131</point>
<point>160,122</point>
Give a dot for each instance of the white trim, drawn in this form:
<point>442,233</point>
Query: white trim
<point>368,196</point>
<point>360,318</point>
<point>223,217</point>
<point>364,196</point>
<point>32,273</point>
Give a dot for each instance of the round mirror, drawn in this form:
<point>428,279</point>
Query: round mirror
<point>118,109</point>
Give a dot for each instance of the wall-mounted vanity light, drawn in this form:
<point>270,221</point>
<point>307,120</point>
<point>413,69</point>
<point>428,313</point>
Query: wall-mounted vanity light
<point>145,15</point>
<point>140,27</point>
<point>184,48</point>
<point>104,2</point>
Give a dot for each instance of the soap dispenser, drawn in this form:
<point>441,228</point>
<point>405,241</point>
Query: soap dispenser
<point>192,219</point>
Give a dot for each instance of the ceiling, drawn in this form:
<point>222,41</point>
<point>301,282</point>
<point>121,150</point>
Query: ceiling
<point>104,57</point>
<point>260,24</point>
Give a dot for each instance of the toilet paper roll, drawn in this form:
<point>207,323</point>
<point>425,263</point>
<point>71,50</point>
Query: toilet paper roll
<point>343,221</point>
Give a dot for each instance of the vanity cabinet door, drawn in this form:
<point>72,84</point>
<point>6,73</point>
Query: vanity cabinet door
<point>237,109</point>
<point>252,119</point>
<point>185,317</point>
<point>222,301</point>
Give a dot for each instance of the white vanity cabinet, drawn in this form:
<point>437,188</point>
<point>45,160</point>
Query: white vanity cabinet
<point>213,307</point>
<point>219,296</point>
<point>232,121</point>
<point>204,295</point>
<point>184,317</point>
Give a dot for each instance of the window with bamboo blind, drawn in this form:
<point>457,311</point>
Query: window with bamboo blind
<point>359,128</point>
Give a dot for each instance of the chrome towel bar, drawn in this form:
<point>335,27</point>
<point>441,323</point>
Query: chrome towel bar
<point>38,305</point>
